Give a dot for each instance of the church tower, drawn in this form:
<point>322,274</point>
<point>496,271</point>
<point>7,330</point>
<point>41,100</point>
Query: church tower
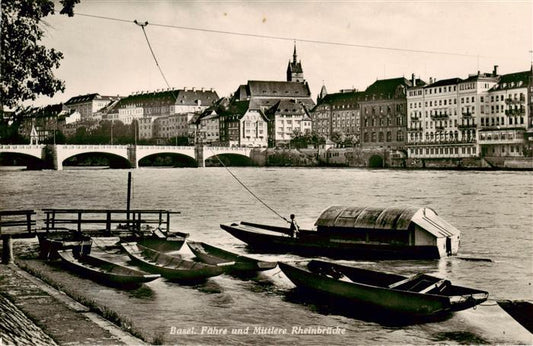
<point>323,93</point>
<point>295,72</point>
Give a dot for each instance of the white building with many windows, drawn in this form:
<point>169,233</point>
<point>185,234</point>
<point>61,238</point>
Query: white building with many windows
<point>444,116</point>
<point>504,122</point>
<point>286,119</point>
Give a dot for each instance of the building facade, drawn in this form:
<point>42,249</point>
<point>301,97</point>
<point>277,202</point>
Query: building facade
<point>384,114</point>
<point>88,105</point>
<point>163,114</point>
<point>445,117</point>
<point>251,102</point>
<point>209,128</point>
<point>505,121</point>
<point>338,114</point>
<point>286,119</point>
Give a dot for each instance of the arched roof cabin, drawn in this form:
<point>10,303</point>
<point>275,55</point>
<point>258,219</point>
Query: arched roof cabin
<point>418,228</point>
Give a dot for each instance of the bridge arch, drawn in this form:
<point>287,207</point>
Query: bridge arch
<point>167,159</point>
<point>225,152</point>
<point>64,152</point>
<point>96,158</point>
<point>228,159</point>
<point>143,151</point>
<point>32,156</point>
<point>376,161</point>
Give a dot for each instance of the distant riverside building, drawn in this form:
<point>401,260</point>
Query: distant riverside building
<point>286,118</point>
<point>163,114</point>
<point>193,100</point>
<point>506,118</point>
<point>483,115</point>
<point>239,125</point>
<point>384,114</point>
<point>87,105</point>
<point>253,100</point>
<point>209,128</point>
<point>43,121</point>
<point>146,127</point>
<point>338,113</point>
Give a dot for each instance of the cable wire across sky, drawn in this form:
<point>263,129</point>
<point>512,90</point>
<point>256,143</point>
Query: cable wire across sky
<point>283,38</point>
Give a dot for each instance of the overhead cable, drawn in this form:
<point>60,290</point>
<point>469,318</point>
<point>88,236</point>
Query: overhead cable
<point>283,38</point>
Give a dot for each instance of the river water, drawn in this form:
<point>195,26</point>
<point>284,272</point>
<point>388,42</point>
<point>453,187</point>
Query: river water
<point>494,211</point>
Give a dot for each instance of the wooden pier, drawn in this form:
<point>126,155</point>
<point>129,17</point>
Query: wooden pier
<point>15,224</point>
<point>107,221</point>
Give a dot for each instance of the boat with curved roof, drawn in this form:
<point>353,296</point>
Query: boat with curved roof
<point>358,233</point>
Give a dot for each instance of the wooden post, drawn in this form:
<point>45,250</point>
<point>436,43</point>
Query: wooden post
<point>7,250</point>
<point>108,223</point>
<point>28,221</point>
<point>128,200</point>
<point>79,222</point>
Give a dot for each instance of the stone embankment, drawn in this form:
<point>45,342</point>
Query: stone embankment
<point>34,313</point>
<point>17,329</point>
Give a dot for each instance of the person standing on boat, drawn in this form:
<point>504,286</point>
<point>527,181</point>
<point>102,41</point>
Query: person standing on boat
<point>294,227</point>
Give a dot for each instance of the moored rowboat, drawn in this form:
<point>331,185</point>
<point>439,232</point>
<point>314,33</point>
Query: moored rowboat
<point>238,263</point>
<point>105,271</point>
<point>172,267</point>
<point>52,242</point>
<point>418,296</point>
<point>164,243</point>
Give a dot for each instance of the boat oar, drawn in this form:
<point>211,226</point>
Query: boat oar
<point>475,259</point>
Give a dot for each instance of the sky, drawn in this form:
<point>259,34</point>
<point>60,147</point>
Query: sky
<point>439,39</point>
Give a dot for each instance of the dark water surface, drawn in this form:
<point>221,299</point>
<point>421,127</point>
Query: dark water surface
<point>494,211</point>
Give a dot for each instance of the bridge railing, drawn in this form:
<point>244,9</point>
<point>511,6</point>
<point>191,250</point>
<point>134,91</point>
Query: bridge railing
<point>21,146</point>
<point>165,147</point>
<point>91,146</point>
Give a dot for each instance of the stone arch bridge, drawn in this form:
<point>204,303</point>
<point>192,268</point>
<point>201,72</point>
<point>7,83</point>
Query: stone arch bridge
<point>56,154</point>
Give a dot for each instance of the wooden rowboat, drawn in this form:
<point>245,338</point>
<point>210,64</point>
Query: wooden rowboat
<point>164,243</point>
<point>105,271</point>
<point>172,267</point>
<point>238,263</point>
<point>418,296</point>
<point>52,242</point>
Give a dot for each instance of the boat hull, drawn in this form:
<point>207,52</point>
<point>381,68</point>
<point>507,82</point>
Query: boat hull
<point>104,271</point>
<point>50,244</point>
<point>236,263</point>
<point>309,243</point>
<point>168,244</point>
<point>412,304</point>
<point>171,267</point>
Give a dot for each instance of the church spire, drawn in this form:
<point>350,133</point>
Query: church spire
<point>295,72</point>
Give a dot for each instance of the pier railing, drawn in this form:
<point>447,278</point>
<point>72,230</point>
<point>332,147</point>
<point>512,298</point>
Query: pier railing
<point>108,220</point>
<point>15,224</point>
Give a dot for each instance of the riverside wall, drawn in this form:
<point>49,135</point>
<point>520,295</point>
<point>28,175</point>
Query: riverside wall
<point>371,158</point>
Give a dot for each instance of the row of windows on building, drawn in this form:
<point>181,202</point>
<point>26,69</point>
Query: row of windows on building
<point>443,151</point>
<point>382,109</point>
<point>382,136</point>
<point>443,136</point>
<point>464,100</point>
<point>372,122</point>
<point>500,121</point>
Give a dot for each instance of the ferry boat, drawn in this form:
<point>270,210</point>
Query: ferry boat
<point>358,233</point>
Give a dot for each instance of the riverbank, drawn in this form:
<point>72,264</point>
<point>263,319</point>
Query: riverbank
<point>373,158</point>
<point>35,313</point>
